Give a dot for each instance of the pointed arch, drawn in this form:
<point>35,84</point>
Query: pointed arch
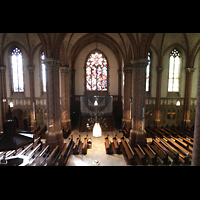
<point>17,70</point>
<point>96,71</point>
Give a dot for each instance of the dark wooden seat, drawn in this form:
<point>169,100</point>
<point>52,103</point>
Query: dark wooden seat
<point>62,160</point>
<point>116,145</point>
<point>108,145</point>
<point>85,145</point>
<point>77,146</point>
<point>127,151</point>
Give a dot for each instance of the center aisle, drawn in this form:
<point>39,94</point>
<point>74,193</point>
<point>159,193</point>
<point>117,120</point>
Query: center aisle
<point>97,152</point>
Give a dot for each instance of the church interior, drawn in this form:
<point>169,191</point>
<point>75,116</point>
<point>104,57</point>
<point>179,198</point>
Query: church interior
<point>99,99</point>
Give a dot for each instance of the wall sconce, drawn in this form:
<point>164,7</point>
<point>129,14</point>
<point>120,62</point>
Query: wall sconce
<point>178,103</point>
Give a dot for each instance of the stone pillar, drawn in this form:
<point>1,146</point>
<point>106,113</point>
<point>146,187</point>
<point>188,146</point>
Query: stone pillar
<point>196,147</point>
<point>3,105</point>
<point>3,91</point>
<point>158,95</point>
<point>138,133</point>
<point>65,101</point>
<point>127,95</point>
<point>54,135</point>
<point>31,69</point>
<point>187,100</point>
<point>119,84</point>
<point>73,71</point>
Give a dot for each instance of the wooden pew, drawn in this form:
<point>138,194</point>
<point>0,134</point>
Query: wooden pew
<point>108,145</point>
<point>23,152</point>
<point>180,142</point>
<point>116,146</point>
<point>34,153</point>
<point>41,159</point>
<point>162,156</point>
<point>151,155</point>
<point>141,156</point>
<point>84,148</point>
<point>127,151</point>
<point>77,146</point>
<point>125,130</point>
<point>36,129</point>
<point>66,132</point>
<point>41,132</point>
<point>183,153</point>
<point>186,140</point>
<point>152,132</point>
<point>62,160</point>
<point>173,154</point>
<point>52,158</point>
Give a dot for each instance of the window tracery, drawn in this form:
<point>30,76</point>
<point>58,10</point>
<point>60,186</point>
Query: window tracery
<point>17,70</point>
<point>96,72</point>
<point>174,71</point>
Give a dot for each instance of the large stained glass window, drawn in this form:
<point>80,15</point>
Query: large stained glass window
<point>96,72</point>
<point>148,72</point>
<point>44,86</point>
<point>174,71</point>
<point>17,70</point>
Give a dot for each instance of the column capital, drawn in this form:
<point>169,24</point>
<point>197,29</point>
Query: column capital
<point>31,68</point>
<point>159,69</point>
<point>139,63</point>
<point>190,70</point>
<point>128,69</point>
<point>2,68</point>
<point>51,62</point>
<point>64,69</point>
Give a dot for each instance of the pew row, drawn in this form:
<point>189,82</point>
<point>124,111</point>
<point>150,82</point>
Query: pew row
<point>62,160</point>
<point>77,146</point>
<point>108,145</point>
<point>127,151</point>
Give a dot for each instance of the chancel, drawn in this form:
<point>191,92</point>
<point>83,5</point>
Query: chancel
<point>133,95</point>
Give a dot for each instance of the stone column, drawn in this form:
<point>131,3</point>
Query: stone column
<point>119,84</point>
<point>65,101</point>
<point>127,95</point>
<point>196,147</point>
<point>3,104</point>
<point>3,91</point>
<point>54,134</point>
<point>31,69</point>
<point>188,90</point>
<point>138,133</point>
<point>158,95</point>
<point>73,71</point>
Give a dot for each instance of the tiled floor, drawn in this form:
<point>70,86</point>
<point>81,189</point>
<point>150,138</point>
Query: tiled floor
<point>97,152</point>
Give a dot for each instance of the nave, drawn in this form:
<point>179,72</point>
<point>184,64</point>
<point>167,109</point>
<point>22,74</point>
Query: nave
<point>97,151</point>
<point>164,147</point>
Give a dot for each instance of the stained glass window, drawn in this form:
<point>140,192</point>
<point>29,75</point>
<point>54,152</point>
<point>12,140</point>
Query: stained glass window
<point>174,71</point>
<point>148,71</point>
<point>43,72</point>
<point>96,72</point>
<point>17,70</point>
